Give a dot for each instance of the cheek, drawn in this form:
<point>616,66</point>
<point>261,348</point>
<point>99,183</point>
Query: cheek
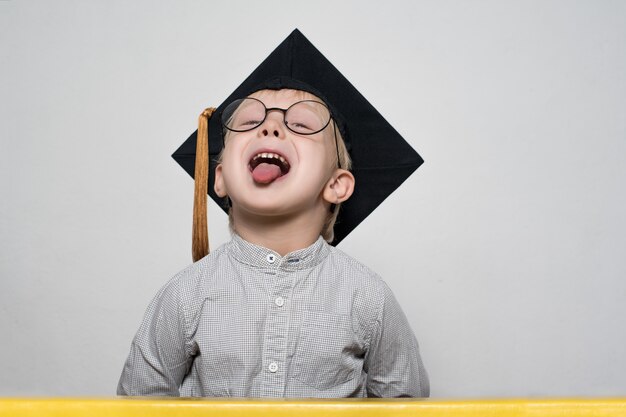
<point>330,157</point>
<point>331,148</point>
<point>232,153</point>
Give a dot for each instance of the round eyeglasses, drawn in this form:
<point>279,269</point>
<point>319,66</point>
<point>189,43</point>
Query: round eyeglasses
<point>305,117</point>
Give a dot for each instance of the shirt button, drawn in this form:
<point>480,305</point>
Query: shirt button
<point>273,367</point>
<point>270,258</point>
<point>279,301</point>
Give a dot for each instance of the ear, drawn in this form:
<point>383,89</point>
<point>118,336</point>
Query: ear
<point>219,186</point>
<point>340,187</point>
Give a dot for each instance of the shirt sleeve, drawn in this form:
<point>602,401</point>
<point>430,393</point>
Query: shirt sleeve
<point>159,355</point>
<point>393,363</point>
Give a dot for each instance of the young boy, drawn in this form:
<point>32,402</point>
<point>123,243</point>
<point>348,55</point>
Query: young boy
<point>277,311</point>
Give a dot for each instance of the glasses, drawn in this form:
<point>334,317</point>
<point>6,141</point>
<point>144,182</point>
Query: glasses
<point>305,117</point>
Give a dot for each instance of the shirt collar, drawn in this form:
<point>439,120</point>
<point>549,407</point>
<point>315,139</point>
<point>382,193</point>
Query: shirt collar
<point>260,256</point>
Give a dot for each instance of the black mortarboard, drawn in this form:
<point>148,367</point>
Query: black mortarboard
<point>381,158</point>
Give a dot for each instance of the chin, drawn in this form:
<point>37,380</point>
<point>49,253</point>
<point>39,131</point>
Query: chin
<point>263,208</point>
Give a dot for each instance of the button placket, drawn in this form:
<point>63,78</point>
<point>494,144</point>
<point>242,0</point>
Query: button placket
<point>277,329</point>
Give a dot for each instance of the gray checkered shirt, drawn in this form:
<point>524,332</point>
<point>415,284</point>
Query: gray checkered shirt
<point>246,322</point>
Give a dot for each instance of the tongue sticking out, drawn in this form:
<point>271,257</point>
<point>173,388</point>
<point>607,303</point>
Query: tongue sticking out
<point>265,173</point>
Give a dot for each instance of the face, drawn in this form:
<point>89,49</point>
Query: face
<point>271,170</point>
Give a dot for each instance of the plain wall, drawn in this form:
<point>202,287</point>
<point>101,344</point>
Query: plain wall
<point>506,248</point>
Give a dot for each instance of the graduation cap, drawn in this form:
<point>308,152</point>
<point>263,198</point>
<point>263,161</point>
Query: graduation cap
<point>381,158</point>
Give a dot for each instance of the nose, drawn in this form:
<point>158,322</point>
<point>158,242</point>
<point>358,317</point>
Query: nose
<point>266,132</point>
<point>272,126</point>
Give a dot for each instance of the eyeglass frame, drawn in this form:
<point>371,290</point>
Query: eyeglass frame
<point>283,111</point>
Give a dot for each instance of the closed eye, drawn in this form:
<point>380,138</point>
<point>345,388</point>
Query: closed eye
<point>300,126</point>
<point>250,123</point>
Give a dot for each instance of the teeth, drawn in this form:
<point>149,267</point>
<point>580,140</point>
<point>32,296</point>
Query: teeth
<point>270,155</point>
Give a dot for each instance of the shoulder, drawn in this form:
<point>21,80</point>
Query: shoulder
<point>191,284</point>
<point>368,290</point>
<point>353,271</point>
<point>365,283</point>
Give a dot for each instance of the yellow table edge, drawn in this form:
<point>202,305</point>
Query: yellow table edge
<point>167,407</point>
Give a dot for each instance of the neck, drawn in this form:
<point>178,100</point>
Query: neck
<point>282,234</point>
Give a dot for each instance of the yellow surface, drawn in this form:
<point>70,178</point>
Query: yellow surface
<point>135,407</point>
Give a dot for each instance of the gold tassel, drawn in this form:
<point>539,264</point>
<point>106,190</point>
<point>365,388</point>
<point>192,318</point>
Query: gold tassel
<point>200,232</point>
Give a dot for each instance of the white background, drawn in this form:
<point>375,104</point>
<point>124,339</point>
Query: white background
<point>506,248</point>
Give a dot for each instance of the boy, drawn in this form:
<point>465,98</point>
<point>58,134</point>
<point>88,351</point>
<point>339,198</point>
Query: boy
<point>277,311</point>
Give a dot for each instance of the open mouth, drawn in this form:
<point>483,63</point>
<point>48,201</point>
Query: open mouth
<point>266,167</point>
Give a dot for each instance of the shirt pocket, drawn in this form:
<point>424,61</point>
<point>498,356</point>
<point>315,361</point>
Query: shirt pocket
<point>325,352</point>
